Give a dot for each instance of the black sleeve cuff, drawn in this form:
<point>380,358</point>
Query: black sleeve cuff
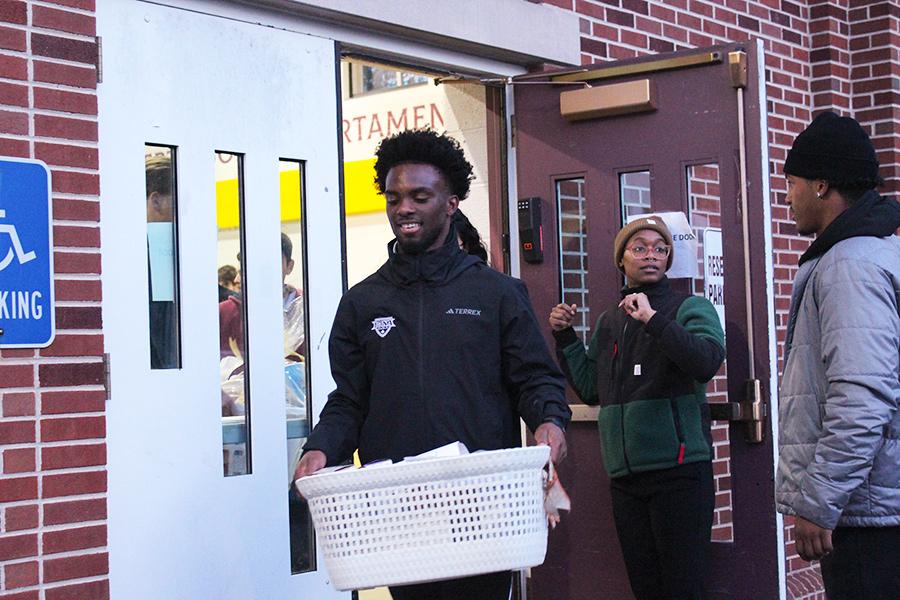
<point>559,422</point>
<point>565,337</point>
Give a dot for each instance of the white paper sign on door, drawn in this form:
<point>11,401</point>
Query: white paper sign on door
<point>684,264</point>
<point>714,271</point>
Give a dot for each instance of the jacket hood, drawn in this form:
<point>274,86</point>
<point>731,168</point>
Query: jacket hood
<point>871,215</point>
<point>437,266</point>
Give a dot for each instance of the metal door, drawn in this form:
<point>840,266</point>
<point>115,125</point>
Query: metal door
<point>656,134</point>
<point>199,84</point>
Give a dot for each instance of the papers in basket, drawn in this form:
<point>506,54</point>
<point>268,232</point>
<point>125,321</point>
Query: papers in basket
<point>450,450</point>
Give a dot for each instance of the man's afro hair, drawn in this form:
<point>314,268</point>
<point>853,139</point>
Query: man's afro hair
<point>428,147</point>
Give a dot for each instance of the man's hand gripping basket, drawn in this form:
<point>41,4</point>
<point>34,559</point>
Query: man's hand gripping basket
<point>433,519</point>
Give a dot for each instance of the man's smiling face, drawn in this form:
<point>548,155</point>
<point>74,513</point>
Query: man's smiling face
<point>419,206</point>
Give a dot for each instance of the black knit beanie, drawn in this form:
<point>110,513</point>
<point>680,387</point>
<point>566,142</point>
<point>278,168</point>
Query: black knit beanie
<point>835,149</point>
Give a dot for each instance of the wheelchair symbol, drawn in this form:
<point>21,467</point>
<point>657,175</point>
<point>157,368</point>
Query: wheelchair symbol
<point>16,251</point>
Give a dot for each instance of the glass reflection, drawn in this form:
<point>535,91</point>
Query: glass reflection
<point>296,363</point>
<point>233,351</point>
<point>162,256</point>
<point>573,255</point>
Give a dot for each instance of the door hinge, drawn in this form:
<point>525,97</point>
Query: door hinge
<point>99,65</point>
<point>107,380</point>
<point>512,131</point>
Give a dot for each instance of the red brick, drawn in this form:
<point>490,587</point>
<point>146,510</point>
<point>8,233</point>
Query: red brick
<point>16,376</point>
<point>81,538</point>
<point>19,460</point>
<point>12,122</point>
<point>71,236</point>
<point>75,345</point>
<point>81,263</point>
<point>53,46</point>
<point>71,75</point>
<point>64,101</point>
<point>19,404</point>
<point>619,18</point>
<point>18,546</point>
<point>68,209</point>
<point>78,511</point>
<point>13,147</point>
<point>75,428</point>
<point>57,375</point>
<point>78,317</point>
<point>73,484</point>
<point>17,432</point>
<point>17,353</point>
<point>66,155</point>
<point>63,20</point>
<point>29,595</point>
<point>13,94</point>
<point>21,488</point>
<point>69,129</point>
<point>74,401</point>
<point>21,575</point>
<point>68,182</point>
<point>12,39</point>
<point>63,457</point>
<point>78,290</point>
<point>593,47</point>
<point>19,518</point>
<point>14,11</point>
<point>75,567</point>
<point>87,5</point>
<point>91,590</point>
<point>13,67</point>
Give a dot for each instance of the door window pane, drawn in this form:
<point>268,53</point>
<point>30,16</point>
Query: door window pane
<point>634,194</point>
<point>296,357</point>
<point>573,255</point>
<point>706,220</point>
<point>162,256</point>
<point>233,346</point>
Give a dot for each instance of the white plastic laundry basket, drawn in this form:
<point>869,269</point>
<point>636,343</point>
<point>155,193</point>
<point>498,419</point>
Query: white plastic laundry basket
<point>428,520</point>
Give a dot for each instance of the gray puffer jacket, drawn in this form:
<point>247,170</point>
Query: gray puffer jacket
<point>839,424</point>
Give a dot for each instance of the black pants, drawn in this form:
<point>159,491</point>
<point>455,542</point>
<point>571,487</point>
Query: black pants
<point>493,586</point>
<point>663,519</point>
<point>864,565</point>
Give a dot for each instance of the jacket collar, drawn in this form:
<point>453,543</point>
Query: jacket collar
<point>653,290</point>
<point>871,215</point>
<point>437,266</point>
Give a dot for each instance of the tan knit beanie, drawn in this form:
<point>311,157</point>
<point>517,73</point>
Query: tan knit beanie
<point>654,223</point>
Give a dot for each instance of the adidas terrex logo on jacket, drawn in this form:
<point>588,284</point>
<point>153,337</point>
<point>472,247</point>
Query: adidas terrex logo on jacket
<point>649,380</point>
<point>431,349</point>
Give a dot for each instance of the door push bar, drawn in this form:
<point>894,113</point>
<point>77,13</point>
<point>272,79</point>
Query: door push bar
<point>751,410</point>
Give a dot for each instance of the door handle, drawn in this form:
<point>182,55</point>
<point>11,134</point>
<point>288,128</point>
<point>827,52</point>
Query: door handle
<point>751,411</point>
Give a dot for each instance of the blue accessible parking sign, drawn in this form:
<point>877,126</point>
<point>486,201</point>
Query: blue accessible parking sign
<point>27,317</point>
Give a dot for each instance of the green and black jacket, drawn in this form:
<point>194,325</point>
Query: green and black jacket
<point>650,380</point>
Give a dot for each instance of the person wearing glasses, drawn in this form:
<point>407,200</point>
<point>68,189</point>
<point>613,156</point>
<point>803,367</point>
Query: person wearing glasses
<point>647,364</point>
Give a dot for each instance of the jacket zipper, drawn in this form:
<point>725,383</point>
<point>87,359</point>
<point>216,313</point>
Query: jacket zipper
<point>620,374</point>
<point>422,355</point>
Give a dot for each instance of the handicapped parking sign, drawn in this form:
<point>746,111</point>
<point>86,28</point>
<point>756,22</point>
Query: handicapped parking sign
<point>27,317</point>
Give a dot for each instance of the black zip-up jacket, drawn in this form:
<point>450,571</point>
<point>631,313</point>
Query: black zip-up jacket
<point>649,379</point>
<point>432,349</point>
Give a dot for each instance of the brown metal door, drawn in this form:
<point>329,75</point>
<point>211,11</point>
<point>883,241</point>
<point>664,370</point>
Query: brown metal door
<point>683,155</point>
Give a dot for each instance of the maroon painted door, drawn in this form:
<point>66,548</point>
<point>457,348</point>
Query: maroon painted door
<point>593,173</point>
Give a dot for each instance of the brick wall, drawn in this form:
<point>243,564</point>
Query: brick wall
<point>52,426</point>
<point>841,55</point>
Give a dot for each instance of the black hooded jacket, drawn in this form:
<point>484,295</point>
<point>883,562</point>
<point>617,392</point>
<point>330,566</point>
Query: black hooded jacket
<point>432,349</point>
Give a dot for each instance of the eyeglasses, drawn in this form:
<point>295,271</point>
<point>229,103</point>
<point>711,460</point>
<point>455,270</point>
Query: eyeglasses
<point>639,251</point>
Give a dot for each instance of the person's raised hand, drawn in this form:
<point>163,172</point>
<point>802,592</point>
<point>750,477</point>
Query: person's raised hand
<point>550,434</point>
<point>637,306</point>
<point>562,316</point>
